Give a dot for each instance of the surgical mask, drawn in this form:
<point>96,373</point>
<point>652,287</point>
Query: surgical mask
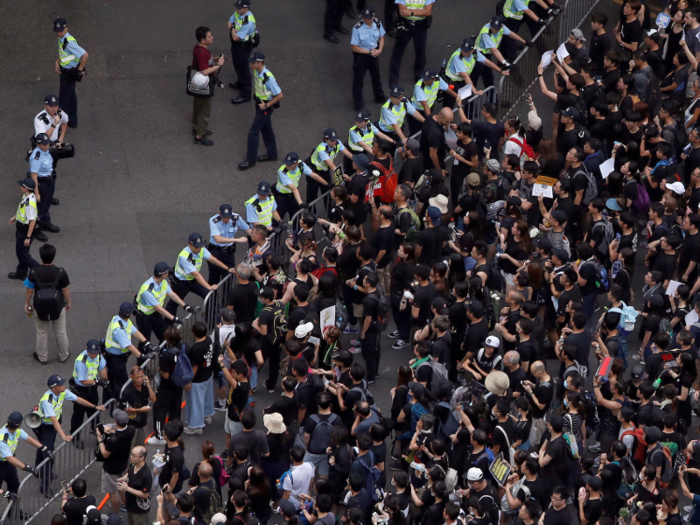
<point>566,402</point>
<point>566,384</point>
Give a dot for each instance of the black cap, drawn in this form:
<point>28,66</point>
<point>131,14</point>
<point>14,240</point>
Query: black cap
<point>514,201</point>
<point>468,45</point>
<point>93,517</point>
<point>27,183</point>
<point>51,100</point>
<point>15,419</point>
<point>560,254</point>
<point>42,138</point>
<point>126,309</point>
<point>267,293</point>
<point>93,346</point>
<point>571,113</point>
<point>560,216</point>
<point>638,373</point>
<point>362,115</point>
<point>195,239</point>
<point>429,74</point>
<point>396,91</point>
<point>241,3</point>
<point>595,483</point>
<point>59,25</point>
<point>225,211</point>
<point>161,268</point>
<point>330,134</point>
<point>291,158</point>
<point>263,188</point>
<point>368,12</point>
<point>55,380</point>
<point>257,56</point>
<point>228,315</point>
<point>497,22</point>
<point>544,243</point>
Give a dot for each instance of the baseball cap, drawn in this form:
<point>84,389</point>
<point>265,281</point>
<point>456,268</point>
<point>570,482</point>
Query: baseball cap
<point>638,373</point>
<point>676,187</point>
<point>571,113</point>
<point>492,341</point>
<point>15,419</point>
<point>534,121</point>
<point>263,188</point>
<point>172,509</point>
<point>242,3</point>
<point>161,268</point>
<point>59,24</point>
<point>120,417</point>
<point>514,201</point>
<point>368,12</point>
<point>578,35</point>
<point>267,293</point>
<point>42,138</point>
<point>429,74</point>
<point>362,115</point>
<point>55,380</point>
<point>126,309</point>
<point>473,179</point>
<point>256,56</point>
<point>51,100</point>
<point>417,388</point>
<point>612,204</point>
<point>493,165</point>
<point>288,508</point>
<point>228,315</point>
<point>361,161</point>
<point>93,516</point>
<point>291,158</point>
<point>116,519</point>
<point>27,183</point>
<point>93,346</point>
<point>396,91</point>
<point>653,433</point>
<point>435,215</point>
<point>559,216</point>
<point>413,145</point>
<point>497,22</point>
<point>475,474</point>
<point>303,330</point>
<point>560,254</point>
<point>225,211</point>
<point>544,243</point>
<point>218,518</point>
<point>439,303</point>
<point>195,239</point>
<point>595,483</point>
<point>467,45</point>
<point>330,134</point>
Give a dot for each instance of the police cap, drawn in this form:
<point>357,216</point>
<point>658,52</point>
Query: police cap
<point>15,419</point>
<point>241,3</point>
<point>257,56</point>
<point>368,12</point>
<point>429,74</point>
<point>263,188</point>
<point>161,268</point>
<point>362,115</point>
<point>27,183</point>
<point>195,239</point>
<point>497,22</point>
<point>396,91</point>
<point>51,100</point>
<point>291,158</point>
<point>126,309</point>
<point>42,138</point>
<point>59,25</point>
<point>225,211</point>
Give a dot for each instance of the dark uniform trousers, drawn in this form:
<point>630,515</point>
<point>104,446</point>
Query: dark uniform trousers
<point>360,66</point>
<point>333,16</point>
<point>46,435</point>
<point>508,45</point>
<point>116,371</point>
<point>47,187</point>
<point>181,289</point>
<point>407,30</point>
<point>313,186</point>
<point>150,324</point>
<point>414,125</point>
<point>88,393</point>
<point>286,203</point>
<point>240,53</point>
<point>227,255</point>
<point>483,72</point>
<point>262,125</point>
<point>389,15</point>
<point>8,474</point>
<point>25,261</point>
<point>168,405</point>
<point>371,353</point>
<point>67,98</point>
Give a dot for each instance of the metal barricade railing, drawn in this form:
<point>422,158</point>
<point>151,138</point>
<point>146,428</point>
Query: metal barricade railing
<point>69,461</point>
<point>573,15</point>
<point>216,300</point>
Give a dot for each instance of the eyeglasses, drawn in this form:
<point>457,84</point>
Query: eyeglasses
<point>136,456</point>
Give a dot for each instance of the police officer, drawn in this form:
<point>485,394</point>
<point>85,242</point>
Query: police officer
<point>222,242</point>
<point>261,208</point>
<point>51,409</point>
<point>361,138</point>
<point>286,191</point>
<point>54,123</point>
<point>425,93</point>
<point>187,277</point>
<point>393,116</point>
<point>413,24</point>
<point>518,11</point>
<point>25,224</point>
<point>487,42</point>
<point>42,171</point>
<point>89,370</point>
<point>367,44</point>
<point>461,65</point>
<point>71,66</point>
<point>10,435</point>
<point>242,29</point>
<point>118,345</point>
<point>323,163</point>
<point>267,96</point>
<point>150,314</point>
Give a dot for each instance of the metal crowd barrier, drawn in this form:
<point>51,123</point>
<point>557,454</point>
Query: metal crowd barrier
<point>575,12</point>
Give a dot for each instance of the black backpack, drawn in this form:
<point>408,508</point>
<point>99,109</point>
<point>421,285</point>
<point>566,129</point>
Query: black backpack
<point>321,436</point>
<point>279,325</point>
<point>47,299</point>
<point>680,136</point>
<point>653,89</point>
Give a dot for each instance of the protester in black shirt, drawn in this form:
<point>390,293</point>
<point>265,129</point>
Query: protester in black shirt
<point>243,298</point>
<point>137,486</point>
<point>74,508</point>
<point>199,394</point>
<point>115,446</point>
<point>600,41</point>
<point>136,399</point>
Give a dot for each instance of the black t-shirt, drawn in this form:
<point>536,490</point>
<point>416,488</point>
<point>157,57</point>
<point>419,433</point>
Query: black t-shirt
<point>254,440</point>
<point>74,509</point>
<point>423,300</point>
<point>432,136</point>
<point>587,272</point>
<point>174,462</point>
<point>237,399</point>
<point>141,481</point>
<point>544,393</point>
<point>348,263</point>
<point>689,251</point>
<point>43,277</point>
<point>631,31</point>
<point>383,240</point>
<point>244,300</point>
<point>610,80</point>
<point>493,132</point>
<point>600,45</point>
<point>286,406</point>
<point>297,316</point>
<point>119,447</point>
<point>666,264</point>
<point>136,399</point>
<point>166,364</point>
<point>467,152</point>
<point>202,497</point>
<point>201,355</point>
<point>432,241</point>
<point>557,517</point>
<point>440,350</point>
<point>476,335</point>
<point>370,308</point>
<point>411,170</point>
<point>304,394</point>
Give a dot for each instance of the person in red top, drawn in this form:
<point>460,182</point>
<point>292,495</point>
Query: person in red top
<point>201,108</point>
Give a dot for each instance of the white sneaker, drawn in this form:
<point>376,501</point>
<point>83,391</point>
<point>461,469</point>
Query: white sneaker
<point>195,431</point>
<point>153,440</point>
<point>208,420</point>
<point>394,335</point>
<point>399,344</point>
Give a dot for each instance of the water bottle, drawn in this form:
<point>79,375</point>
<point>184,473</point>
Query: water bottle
<point>30,311</point>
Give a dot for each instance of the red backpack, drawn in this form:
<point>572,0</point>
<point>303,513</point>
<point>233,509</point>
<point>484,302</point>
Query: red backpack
<point>525,149</point>
<point>385,186</point>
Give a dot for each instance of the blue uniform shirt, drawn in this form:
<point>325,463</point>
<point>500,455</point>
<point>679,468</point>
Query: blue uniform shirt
<point>47,408</point>
<point>5,450</point>
<point>74,49</point>
<point>253,213</point>
<point>389,117</point>
<point>419,94</point>
<point>322,155</point>
<point>456,65</point>
<point>225,229</point>
<point>367,36</point>
<point>487,38</point>
<point>43,165</point>
<point>121,337</point>
<point>187,265</point>
<point>81,368</point>
<point>271,83</point>
<point>519,5</point>
<point>248,28</point>
<point>147,298</point>
<point>285,180</point>
<point>403,2</point>
<point>355,137</point>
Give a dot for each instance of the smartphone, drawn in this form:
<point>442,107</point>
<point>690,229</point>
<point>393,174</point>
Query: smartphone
<point>314,340</point>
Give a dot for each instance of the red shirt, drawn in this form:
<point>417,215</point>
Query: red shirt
<point>201,58</point>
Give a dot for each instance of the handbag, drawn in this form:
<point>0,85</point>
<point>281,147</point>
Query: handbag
<point>571,438</point>
<point>195,91</point>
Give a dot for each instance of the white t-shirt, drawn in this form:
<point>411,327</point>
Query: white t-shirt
<point>43,121</point>
<point>227,332</point>
<point>511,147</point>
<point>628,440</point>
<point>301,478</point>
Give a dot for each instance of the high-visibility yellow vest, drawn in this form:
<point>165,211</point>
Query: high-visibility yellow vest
<point>12,440</point>
<point>398,111</point>
<point>486,30</point>
<point>261,90</point>
<point>27,200</point>
<point>264,210</point>
<point>469,63</point>
<point>56,402</point>
<point>510,12</point>
<point>194,258</point>
<point>414,5</point>
<point>331,151</point>
<point>431,93</point>
<point>160,295</point>
<point>367,135</point>
<point>293,175</point>
<point>92,365</point>
<point>65,58</point>
<point>117,323</point>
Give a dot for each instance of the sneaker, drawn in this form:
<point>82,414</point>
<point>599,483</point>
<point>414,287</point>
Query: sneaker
<point>396,465</point>
<point>208,420</point>
<point>275,510</point>
<point>122,509</point>
<point>355,342</point>
<point>195,431</point>
<point>350,329</point>
<point>399,344</point>
<point>394,335</point>
<point>220,407</point>
<point>372,381</point>
<point>153,440</point>
<point>355,350</point>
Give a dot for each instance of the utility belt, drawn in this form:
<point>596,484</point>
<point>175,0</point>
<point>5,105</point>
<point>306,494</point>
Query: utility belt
<point>121,357</point>
<point>46,180</point>
<point>78,389</point>
<point>22,228</point>
<point>404,24</point>
<point>223,249</point>
<point>72,74</point>
<point>258,100</point>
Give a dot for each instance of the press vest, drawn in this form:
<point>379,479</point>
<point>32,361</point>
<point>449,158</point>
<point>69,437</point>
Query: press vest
<point>293,175</point>
<point>194,258</point>
<point>264,209</point>
<point>117,322</point>
<point>56,403</point>
<point>510,12</point>
<point>398,111</point>
<point>431,93</point>
<point>261,89</point>
<point>469,63</point>
<point>12,440</point>
<point>414,5</point>
<point>92,365</point>
<point>367,135</point>
<point>65,58</point>
<point>27,200</point>
<point>239,22</point>
<point>486,30</point>
<point>150,286</point>
<point>331,151</point>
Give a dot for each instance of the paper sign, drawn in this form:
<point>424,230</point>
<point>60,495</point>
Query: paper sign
<point>662,20</point>
<point>562,53</point>
<point>542,190</point>
<point>547,59</point>
<point>499,469</point>
<point>607,167</point>
<point>327,318</point>
<point>691,318</point>
<point>465,92</point>
<point>672,285</point>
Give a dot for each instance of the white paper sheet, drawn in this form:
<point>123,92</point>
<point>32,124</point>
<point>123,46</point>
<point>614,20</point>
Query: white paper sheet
<point>547,59</point>
<point>672,285</point>
<point>543,190</point>
<point>562,53</point>
<point>607,167</point>
<point>691,318</point>
<point>465,92</point>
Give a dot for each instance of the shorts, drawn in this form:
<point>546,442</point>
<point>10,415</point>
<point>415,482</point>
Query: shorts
<point>232,427</point>
<point>357,310</point>
<point>509,278</point>
<point>109,483</point>
<point>221,378</point>
<point>320,461</point>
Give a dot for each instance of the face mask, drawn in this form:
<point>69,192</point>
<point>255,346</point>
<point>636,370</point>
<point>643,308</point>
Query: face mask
<point>566,402</point>
<point>566,384</point>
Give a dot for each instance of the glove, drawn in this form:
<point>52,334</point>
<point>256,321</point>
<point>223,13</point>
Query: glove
<point>10,495</point>
<point>45,452</point>
<point>304,206</point>
<point>31,470</point>
<point>556,7</point>
<point>189,309</point>
<point>101,381</point>
<point>147,347</point>
<point>542,21</point>
<point>530,43</point>
<point>505,65</point>
<point>177,320</point>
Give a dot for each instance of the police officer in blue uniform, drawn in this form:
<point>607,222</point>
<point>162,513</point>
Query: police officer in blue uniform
<point>286,191</point>
<point>393,116</point>
<point>487,43</point>
<point>25,223</point>
<point>267,97</point>
<point>42,171</point>
<point>242,29</point>
<point>322,163</point>
<point>222,240</point>
<point>89,370</point>
<point>187,277</point>
<point>425,93</point>
<point>367,44</point>
<point>71,66</point>
<point>10,435</point>
<point>414,19</point>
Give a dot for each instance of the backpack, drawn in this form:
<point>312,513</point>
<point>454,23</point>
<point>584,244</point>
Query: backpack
<point>279,324</point>
<point>321,436</point>
<point>372,483</point>
<point>526,151</point>
<point>47,299</point>
<point>385,186</point>
<point>285,475</point>
<point>666,328</point>
<point>439,370</point>
<point>414,229</point>
<point>602,284</point>
<point>224,476</point>
<point>341,315</point>
<point>451,423</point>
<point>608,234</point>
<point>384,307</point>
<point>517,487</point>
<point>653,90</point>
<point>214,506</point>
<point>318,272</point>
<point>641,203</point>
<point>365,394</point>
<point>182,374</point>
<point>680,136</point>
<point>570,438</point>
<point>592,189</point>
<point>666,468</point>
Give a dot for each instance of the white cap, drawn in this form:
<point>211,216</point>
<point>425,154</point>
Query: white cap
<point>651,32</point>
<point>475,474</point>
<point>676,187</point>
<point>218,518</point>
<point>492,341</point>
<point>303,330</point>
